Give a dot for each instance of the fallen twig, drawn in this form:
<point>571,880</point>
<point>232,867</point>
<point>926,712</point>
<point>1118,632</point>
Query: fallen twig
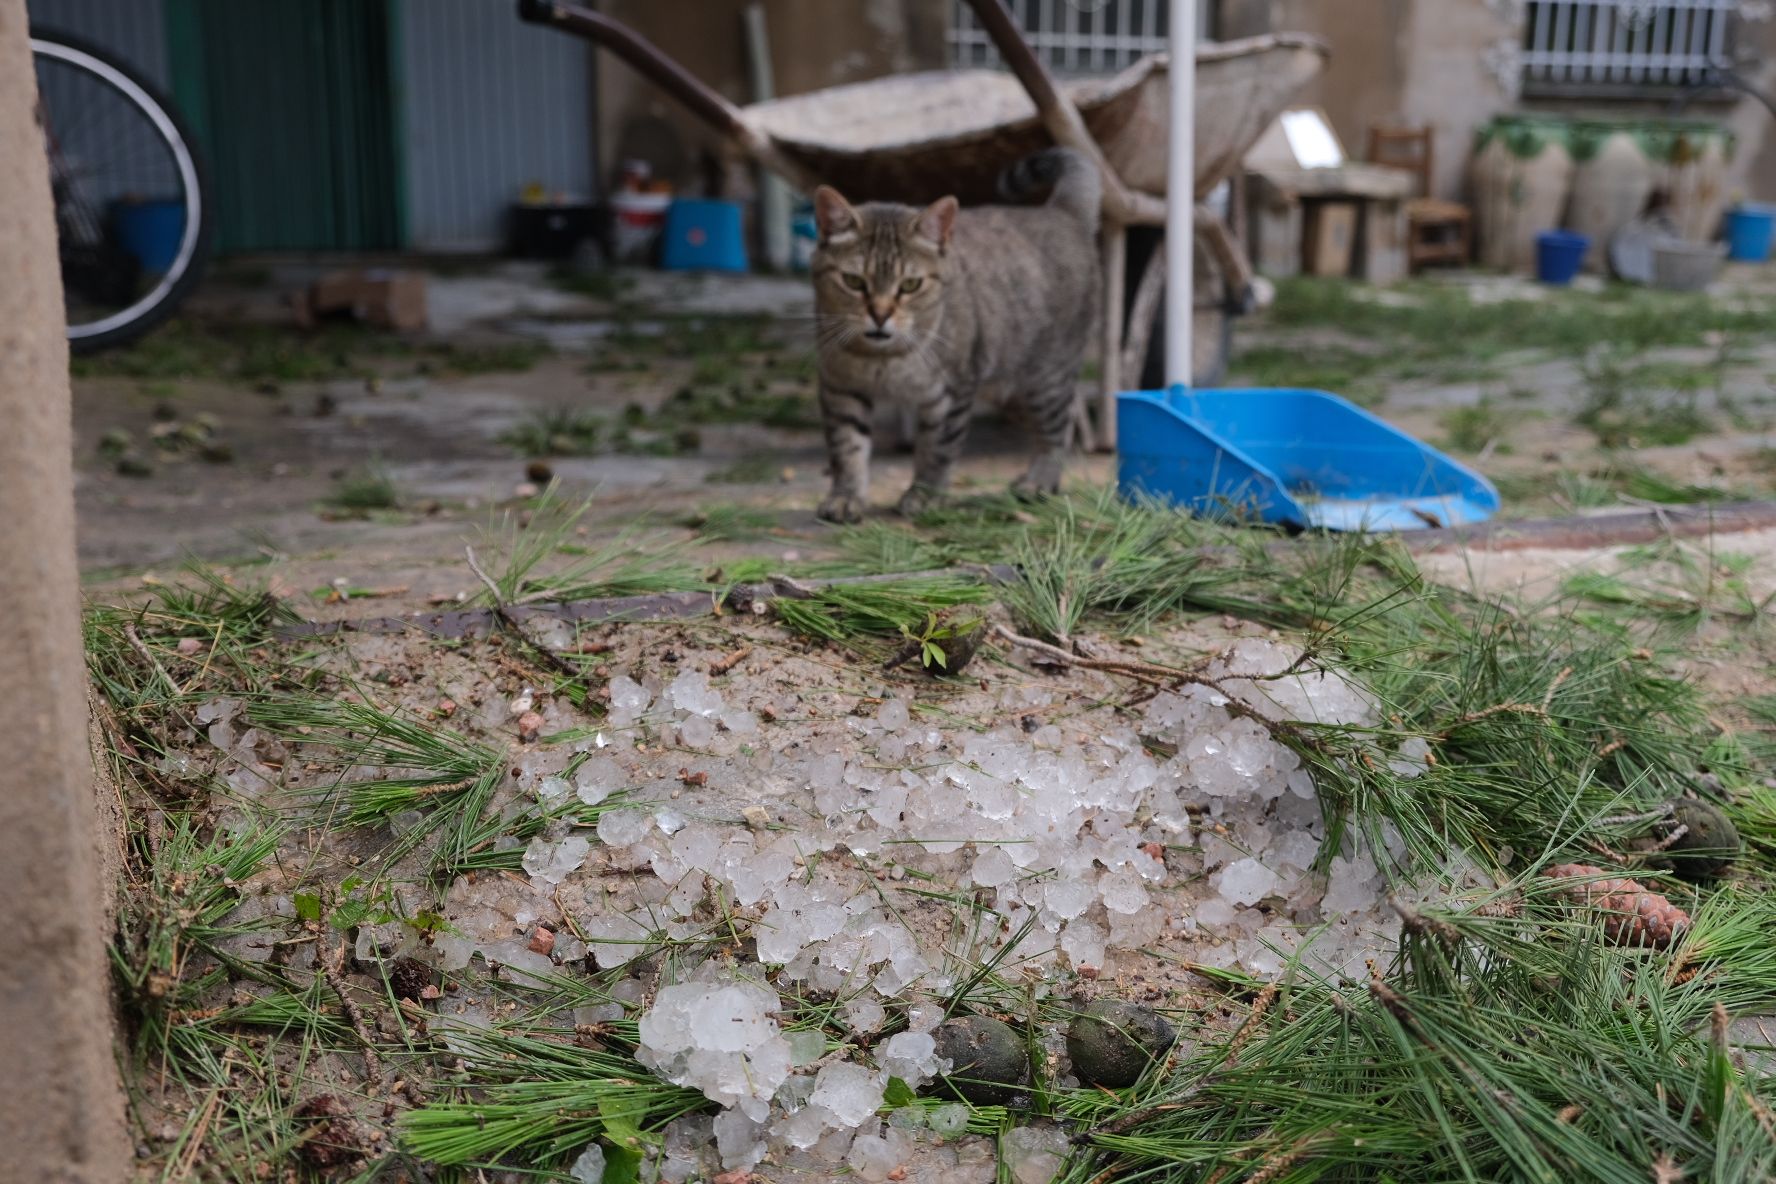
<point>141,647</point>
<point>331,975</point>
<point>554,660</point>
<point>722,665</point>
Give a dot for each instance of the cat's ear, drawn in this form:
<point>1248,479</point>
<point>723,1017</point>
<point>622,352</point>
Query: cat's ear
<point>937,220</point>
<point>833,214</point>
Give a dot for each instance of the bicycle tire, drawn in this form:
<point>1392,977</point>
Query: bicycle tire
<point>192,257</point>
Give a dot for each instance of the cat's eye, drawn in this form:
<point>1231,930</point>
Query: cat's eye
<point>911,283</point>
<point>853,281</point>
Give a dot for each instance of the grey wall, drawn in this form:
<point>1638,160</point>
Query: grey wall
<point>490,105</point>
<point>134,30</point>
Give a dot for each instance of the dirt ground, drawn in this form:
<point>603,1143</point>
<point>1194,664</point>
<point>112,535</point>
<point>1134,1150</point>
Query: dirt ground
<point>348,471</point>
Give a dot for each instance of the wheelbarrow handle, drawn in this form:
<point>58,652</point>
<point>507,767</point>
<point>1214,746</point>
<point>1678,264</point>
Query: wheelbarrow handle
<point>648,60</point>
<point>640,53</point>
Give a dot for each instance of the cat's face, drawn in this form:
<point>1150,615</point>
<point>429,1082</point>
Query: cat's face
<point>879,272</point>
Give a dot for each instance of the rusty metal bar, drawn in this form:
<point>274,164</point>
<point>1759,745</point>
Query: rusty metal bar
<point>1600,530</point>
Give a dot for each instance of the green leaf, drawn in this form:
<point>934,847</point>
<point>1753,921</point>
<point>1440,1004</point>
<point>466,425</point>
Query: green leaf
<point>622,1165</point>
<point>427,921</point>
<point>898,1093</point>
<point>934,654</point>
<point>308,906</point>
<point>620,1128</point>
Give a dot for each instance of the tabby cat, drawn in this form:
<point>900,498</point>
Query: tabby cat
<point>924,307</point>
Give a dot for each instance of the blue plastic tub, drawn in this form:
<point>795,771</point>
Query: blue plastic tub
<point>1751,230</point>
<point>150,230</point>
<point>1559,254</point>
<point>703,235</point>
<point>1295,457</point>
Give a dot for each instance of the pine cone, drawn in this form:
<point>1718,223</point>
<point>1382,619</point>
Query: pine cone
<point>1632,914</point>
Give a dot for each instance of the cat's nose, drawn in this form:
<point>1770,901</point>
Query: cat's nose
<point>880,312</point>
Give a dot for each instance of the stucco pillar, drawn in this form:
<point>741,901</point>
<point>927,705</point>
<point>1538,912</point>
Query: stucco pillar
<point>61,1110</point>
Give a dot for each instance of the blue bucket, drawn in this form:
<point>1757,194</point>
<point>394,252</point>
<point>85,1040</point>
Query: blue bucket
<point>1559,254</point>
<point>1751,229</point>
<point>150,230</point>
<point>703,235</point>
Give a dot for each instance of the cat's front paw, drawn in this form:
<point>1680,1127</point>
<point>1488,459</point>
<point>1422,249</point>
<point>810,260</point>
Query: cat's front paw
<point>840,507</point>
<point>1033,489</point>
<point>917,500</point>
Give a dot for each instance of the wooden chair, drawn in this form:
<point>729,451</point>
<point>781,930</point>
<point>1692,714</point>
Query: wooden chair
<point>1438,231</point>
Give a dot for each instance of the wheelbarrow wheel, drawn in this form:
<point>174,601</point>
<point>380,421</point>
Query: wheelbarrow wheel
<point>1211,324</point>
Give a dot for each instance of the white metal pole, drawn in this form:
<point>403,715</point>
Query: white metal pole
<point>1181,196</point>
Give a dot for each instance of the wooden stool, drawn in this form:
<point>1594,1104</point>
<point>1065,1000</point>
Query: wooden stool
<point>1437,231</point>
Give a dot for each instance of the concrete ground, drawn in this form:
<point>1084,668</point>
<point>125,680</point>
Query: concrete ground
<point>298,431</point>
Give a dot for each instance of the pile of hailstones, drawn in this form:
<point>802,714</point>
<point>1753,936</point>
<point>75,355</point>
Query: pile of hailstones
<point>1071,835</point>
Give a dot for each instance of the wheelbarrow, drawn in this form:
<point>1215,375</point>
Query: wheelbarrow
<point>914,138</point>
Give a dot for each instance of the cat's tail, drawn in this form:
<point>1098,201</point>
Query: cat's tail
<point>1073,182</point>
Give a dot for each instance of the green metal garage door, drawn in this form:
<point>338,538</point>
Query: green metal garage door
<point>294,105</point>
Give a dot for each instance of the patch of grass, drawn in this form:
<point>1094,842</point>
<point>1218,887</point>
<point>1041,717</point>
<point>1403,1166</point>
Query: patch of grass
<point>728,523</point>
<point>542,1101</point>
<point>1623,414</point>
<point>541,557</point>
<point>748,470</point>
<point>1105,559</point>
<point>1673,584</point>
<point>1498,1049</point>
<point>1352,373</point>
<point>1569,323</point>
<point>848,612</point>
<point>559,431</point>
<point>170,947</point>
<point>363,491</point>
<point>601,284</point>
<point>246,352</point>
<point>1471,429</point>
<point>504,357</point>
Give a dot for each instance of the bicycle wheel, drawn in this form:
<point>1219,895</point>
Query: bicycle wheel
<point>132,221</point>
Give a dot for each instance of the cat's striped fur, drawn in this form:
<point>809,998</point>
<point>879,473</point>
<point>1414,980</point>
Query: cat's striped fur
<point>924,307</point>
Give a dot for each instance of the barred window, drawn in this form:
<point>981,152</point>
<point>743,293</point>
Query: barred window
<point>1075,36</point>
<point>1624,47</point>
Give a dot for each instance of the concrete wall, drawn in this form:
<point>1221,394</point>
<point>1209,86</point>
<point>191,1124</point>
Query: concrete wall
<point>814,44</point>
<point>135,32</point>
<point>489,104</point>
<point>1448,63</point>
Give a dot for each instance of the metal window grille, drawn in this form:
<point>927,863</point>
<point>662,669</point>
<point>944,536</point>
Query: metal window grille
<point>1623,46</point>
<point>1073,36</point>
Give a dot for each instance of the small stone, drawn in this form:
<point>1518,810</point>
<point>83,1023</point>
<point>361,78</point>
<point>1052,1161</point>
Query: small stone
<point>539,472</point>
<point>1710,844</point>
<point>1111,1042</point>
<point>757,817</point>
<point>530,725</point>
<point>542,941</point>
<point>987,1058</point>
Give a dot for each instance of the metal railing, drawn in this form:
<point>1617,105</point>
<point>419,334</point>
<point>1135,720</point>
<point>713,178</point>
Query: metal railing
<point>1071,36</point>
<point>1624,46</point>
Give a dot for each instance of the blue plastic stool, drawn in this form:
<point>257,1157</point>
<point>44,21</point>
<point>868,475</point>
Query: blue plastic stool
<point>1750,231</point>
<point>703,235</point>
